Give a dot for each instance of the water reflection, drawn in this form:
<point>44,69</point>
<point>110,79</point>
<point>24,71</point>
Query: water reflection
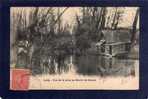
<point>104,66</point>
<point>90,65</point>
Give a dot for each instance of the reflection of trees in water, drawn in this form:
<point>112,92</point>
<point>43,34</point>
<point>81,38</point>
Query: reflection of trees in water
<point>49,64</point>
<point>61,66</point>
<point>85,65</point>
<point>103,66</point>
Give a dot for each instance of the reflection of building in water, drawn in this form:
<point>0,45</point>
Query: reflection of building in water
<point>103,66</point>
<point>116,67</point>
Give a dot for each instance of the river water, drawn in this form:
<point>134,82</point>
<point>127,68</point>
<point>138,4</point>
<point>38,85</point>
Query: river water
<point>96,65</point>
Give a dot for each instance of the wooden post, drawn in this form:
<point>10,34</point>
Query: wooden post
<point>110,49</point>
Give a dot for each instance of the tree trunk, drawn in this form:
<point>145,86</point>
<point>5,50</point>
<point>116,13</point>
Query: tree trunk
<point>103,18</point>
<point>133,33</point>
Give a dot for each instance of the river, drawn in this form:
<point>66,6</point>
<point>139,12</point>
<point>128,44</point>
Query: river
<point>96,65</point>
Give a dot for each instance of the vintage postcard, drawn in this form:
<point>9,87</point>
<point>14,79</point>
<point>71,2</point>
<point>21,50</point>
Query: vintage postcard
<point>71,48</point>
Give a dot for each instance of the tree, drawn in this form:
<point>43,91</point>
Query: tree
<point>89,26</point>
<point>133,32</point>
<point>18,36</point>
<point>28,31</point>
<point>114,17</point>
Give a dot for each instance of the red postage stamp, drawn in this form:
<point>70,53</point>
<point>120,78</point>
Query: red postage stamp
<point>19,79</point>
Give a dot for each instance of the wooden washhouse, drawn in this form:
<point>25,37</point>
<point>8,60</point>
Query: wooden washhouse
<point>114,43</point>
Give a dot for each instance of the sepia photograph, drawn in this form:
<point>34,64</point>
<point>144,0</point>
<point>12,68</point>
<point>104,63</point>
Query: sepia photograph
<point>74,48</point>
